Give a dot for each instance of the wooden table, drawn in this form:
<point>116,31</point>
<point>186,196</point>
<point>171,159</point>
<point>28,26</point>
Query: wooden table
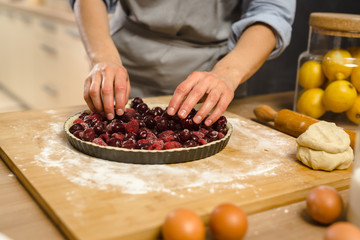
<point>22,218</point>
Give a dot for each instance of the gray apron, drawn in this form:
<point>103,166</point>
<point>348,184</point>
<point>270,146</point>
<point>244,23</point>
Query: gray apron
<point>162,41</point>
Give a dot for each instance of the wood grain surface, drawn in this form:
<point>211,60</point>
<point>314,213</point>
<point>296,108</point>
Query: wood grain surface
<point>90,198</point>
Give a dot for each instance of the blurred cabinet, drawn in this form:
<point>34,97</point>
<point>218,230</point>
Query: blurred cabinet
<point>42,60</point>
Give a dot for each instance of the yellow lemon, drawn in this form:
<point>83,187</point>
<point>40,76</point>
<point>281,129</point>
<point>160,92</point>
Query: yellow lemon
<point>335,65</point>
<point>339,96</point>
<point>355,78</point>
<point>353,114</point>
<point>311,75</point>
<point>310,102</point>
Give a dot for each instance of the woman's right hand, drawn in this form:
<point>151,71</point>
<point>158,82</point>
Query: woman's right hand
<point>105,83</point>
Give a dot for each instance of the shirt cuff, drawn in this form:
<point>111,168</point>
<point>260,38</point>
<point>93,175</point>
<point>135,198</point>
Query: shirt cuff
<point>110,5</point>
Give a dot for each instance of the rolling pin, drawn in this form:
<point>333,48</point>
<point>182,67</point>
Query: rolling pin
<point>291,122</point>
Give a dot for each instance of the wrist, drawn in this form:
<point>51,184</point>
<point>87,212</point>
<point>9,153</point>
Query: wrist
<point>234,76</point>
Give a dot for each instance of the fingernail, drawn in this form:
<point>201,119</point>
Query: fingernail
<point>208,122</point>
<point>119,112</point>
<point>110,116</point>
<point>182,113</point>
<point>197,119</point>
<point>171,111</point>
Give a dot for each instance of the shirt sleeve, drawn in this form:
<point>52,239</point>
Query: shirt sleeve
<point>278,14</point>
<point>110,5</point>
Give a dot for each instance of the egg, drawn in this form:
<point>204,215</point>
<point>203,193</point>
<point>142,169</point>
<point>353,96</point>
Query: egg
<point>228,222</point>
<point>342,231</point>
<point>183,224</point>
<point>324,204</point>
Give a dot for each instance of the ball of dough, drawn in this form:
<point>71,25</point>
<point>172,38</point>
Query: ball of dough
<point>325,136</point>
<point>323,160</point>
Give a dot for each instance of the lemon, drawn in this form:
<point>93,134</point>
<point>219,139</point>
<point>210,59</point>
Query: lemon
<point>310,103</point>
<point>311,75</point>
<point>339,96</point>
<point>353,114</point>
<point>355,78</point>
<point>334,64</point>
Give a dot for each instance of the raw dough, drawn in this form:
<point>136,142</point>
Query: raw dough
<point>325,136</point>
<point>323,160</point>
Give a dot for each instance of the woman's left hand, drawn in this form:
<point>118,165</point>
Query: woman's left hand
<point>214,91</point>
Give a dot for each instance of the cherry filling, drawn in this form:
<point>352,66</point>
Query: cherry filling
<point>149,129</point>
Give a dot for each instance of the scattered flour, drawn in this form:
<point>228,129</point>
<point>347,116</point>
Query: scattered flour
<point>57,155</point>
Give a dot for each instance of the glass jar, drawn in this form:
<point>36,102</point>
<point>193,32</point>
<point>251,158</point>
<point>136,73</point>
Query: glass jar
<point>328,72</point>
<point>353,208</point>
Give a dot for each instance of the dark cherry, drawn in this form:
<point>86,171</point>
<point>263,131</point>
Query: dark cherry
<point>142,108</point>
<point>76,127</point>
<point>130,135</point>
<point>194,138</point>
<point>142,124</point>
<point>185,135</point>
<point>149,121</point>
<point>98,128</point>
<point>135,102</point>
<point>116,126</point>
<point>161,124</point>
<point>171,124</point>
<point>212,135</point>
<point>189,143</point>
<point>221,121</point>
<point>192,113</point>
<point>83,115</point>
<point>143,145</point>
<point>186,123</point>
<point>142,133</point>
<point>177,136</point>
<point>157,111</point>
<point>138,116</point>
<point>223,130</point>
<point>89,122</point>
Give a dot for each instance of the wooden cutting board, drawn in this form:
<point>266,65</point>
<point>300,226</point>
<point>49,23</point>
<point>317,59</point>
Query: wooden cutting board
<point>90,198</point>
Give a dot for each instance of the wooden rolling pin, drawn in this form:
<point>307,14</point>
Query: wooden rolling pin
<point>291,122</point>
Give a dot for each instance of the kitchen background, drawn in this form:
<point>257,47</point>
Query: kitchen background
<point>43,63</point>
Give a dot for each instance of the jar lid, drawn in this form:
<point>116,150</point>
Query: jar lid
<point>337,24</point>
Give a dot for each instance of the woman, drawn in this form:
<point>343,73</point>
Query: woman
<point>197,50</point>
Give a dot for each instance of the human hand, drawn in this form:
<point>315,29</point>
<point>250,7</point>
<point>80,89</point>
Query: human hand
<point>105,82</point>
<point>215,92</point>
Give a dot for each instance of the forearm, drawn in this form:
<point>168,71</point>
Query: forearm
<point>248,55</point>
<point>95,31</point>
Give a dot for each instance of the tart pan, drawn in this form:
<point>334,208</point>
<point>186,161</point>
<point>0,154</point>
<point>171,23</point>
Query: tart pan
<point>137,156</point>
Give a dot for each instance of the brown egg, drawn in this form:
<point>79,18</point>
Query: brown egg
<point>324,204</point>
<point>183,224</point>
<point>228,222</point>
<point>342,231</point>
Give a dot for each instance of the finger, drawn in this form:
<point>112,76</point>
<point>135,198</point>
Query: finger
<point>107,91</point>
<point>94,91</point>
<point>182,91</point>
<point>196,94</point>
<point>87,97</point>
<point>121,90</point>
<point>220,108</point>
<point>211,101</point>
